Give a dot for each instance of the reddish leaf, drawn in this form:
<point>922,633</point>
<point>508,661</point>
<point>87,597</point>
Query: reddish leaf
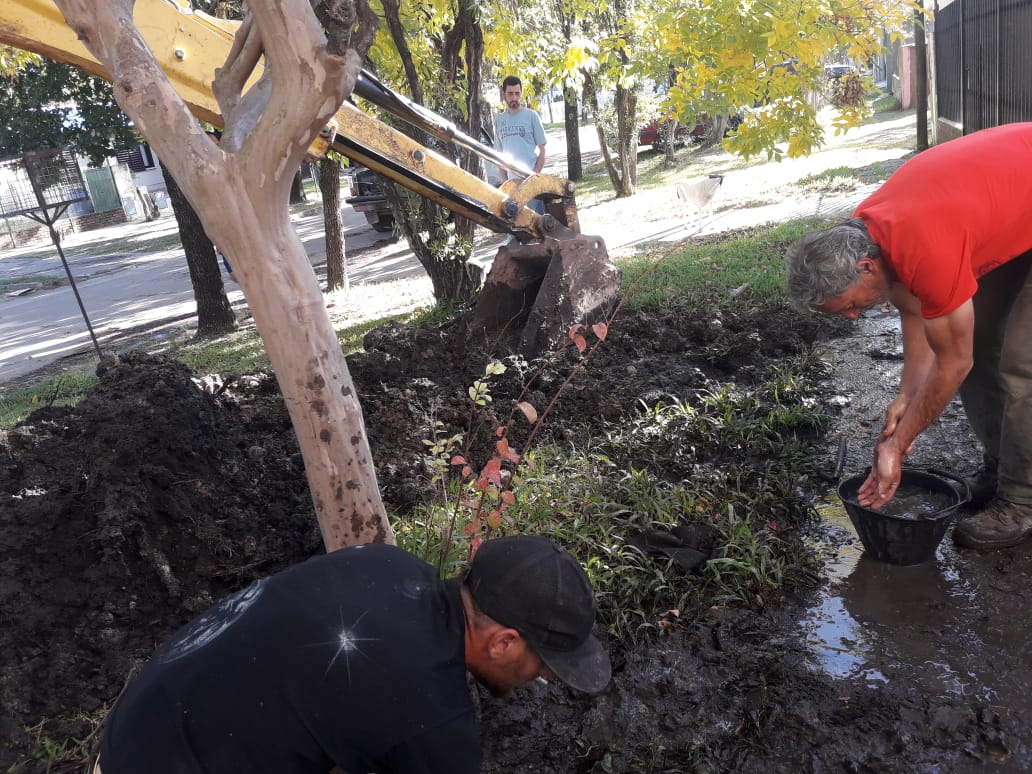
<point>500,431</point>
<point>458,459</point>
<point>474,545</point>
<point>580,343</point>
<point>528,411</point>
<point>600,330</point>
<point>508,497</point>
<point>506,452</point>
<point>494,519</point>
<point>492,471</point>
<point>469,529</point>
<point>574,329</point>
<point>466,471</point>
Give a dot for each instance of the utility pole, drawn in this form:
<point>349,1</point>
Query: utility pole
<point>921,76</point>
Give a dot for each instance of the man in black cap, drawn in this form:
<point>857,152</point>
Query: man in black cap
<point>357,659</point>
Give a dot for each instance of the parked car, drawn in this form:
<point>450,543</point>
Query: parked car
<point>367,197</point>
<point>838,70</point>
<point>654,133</point>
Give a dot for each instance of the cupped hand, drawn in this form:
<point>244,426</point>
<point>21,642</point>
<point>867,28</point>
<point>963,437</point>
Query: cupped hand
<point>883,481</point>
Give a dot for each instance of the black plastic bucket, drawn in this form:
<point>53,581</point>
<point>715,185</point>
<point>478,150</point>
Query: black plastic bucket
<point>899,540</point>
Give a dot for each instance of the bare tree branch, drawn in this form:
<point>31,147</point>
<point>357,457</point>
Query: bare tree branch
<point>243,58</point>
<point>307,84</point>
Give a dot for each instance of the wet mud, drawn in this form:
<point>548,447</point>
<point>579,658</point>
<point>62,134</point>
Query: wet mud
<point>127,515</point>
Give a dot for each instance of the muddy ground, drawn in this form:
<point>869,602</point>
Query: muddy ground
<point>126,515</point>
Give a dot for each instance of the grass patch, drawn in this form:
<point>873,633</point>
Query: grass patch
<point>884,103</point>
<point>835,180</point>
<point>47,280</point>
<point>654,171</point>
<point>728,464</point>
<point>65,390</point>
<point>696,275</point>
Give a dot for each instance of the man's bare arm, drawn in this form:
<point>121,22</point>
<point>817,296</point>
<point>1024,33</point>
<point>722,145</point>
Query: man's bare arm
<point>950,339</point>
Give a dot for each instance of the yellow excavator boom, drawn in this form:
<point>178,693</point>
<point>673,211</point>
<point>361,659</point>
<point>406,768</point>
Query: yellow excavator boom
<point>189,45</point>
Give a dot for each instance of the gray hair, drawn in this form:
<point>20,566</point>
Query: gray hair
<point>822,265</point>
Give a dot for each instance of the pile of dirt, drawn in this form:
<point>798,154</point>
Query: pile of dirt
<point>124,516</point>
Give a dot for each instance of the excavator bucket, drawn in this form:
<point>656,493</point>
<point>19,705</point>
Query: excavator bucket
<point>536,292</point>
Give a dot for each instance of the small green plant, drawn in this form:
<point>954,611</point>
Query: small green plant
<point>473,497</point>
<point>837,180</point>
<point>54,754</point>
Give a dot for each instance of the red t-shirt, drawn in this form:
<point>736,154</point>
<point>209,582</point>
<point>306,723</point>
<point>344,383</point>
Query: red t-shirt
<point>954,213</point>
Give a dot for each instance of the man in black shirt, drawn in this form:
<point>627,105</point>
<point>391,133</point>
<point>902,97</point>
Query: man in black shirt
<point>357,659</point>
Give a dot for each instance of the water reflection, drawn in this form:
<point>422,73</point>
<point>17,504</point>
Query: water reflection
<point>878,622</point>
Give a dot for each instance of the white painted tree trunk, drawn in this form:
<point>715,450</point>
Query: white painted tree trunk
<point>240,189</point>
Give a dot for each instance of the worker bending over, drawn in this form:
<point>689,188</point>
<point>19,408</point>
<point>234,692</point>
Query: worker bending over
<point>357,659</point>
<point>948,240</point>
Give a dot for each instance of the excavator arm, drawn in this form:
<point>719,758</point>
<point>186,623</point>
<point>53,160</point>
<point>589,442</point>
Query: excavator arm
<point>189,45</point>
<point>555,278</point>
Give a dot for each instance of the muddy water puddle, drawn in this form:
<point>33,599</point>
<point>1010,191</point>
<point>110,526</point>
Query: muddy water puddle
<point>915,502</point>
<point>927,626</point>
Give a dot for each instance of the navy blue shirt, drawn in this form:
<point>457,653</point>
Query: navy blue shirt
<point>354,659</point>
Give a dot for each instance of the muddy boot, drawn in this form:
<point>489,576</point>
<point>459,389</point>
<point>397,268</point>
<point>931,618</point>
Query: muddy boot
<point>983,485</point>
<point>1000,525</point>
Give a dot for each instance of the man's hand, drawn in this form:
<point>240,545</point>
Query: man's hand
<point>893,414</point>
<point>881,485</point>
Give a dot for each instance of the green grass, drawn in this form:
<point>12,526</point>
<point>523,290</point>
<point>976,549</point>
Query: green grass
<point>694,275</point>
<point>64,390</point>
<point>654,171</point>
<point>884,103</point>
<point>47,280</point>
<point>644,473</point>
<point>836,180</point>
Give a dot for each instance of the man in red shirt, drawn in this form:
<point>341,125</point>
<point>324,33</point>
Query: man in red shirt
<point>948,240</point>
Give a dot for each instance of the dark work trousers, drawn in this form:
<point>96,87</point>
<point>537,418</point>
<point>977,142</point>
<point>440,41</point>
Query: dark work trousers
<point>997,394</point>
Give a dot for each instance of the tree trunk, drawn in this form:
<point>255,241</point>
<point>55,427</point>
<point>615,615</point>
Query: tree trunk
<point>591,97</point>
<point>240,189</point>
<point>443,243</point>
<point>574,164</point>
<point>297,188</point>
<point>454,280</point>
<point>627,142</point>
<point>329,186</point>
<point>214,314</point>
<point>671,125</point>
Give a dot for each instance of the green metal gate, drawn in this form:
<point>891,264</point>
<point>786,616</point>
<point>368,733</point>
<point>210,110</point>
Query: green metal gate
<point>103,191</point>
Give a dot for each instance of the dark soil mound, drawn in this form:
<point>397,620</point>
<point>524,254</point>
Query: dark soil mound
<point>126,515</point>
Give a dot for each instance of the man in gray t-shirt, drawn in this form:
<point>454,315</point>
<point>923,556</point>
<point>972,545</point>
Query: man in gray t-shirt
<point>519,133</point>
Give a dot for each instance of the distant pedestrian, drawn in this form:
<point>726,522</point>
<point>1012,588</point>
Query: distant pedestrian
<point>519,133</point>
<point>225,264</point>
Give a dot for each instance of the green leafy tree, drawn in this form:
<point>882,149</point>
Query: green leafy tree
<point>434,54</point>
<point>767,61</point>
<point>12,60</point>
<point>545,44</point>
<point>50,105</point>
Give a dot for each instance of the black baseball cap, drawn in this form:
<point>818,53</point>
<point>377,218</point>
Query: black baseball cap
<point>531,585</point>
